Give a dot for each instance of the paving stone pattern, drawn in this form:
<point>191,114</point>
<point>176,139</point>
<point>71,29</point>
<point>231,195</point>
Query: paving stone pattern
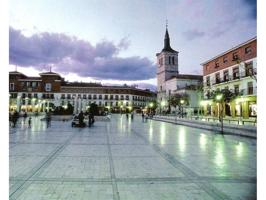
<point>129,160</point>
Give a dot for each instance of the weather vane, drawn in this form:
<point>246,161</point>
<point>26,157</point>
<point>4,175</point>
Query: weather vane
<point>166,23</point>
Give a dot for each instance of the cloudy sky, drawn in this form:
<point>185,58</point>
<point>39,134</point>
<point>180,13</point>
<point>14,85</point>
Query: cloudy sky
<point>115,41</point>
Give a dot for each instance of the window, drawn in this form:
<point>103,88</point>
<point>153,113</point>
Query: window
<point>35,95</point>
<point>29,95</point>
<point>169,60</point>
<point>216,64</point>
<point>48,87</point>
<point>127,97</point>
<point>12,86</point>
<point>235,56</point>
<point>173,60</point>
<point>100,96</point>
<point>94,96</point>
<point>217,78</point>
<point>89,97</point>
<point>226,75</point>
<point>122,97</point>
<point>252,109</point>
<point>225,59</point>
<point>207,67</point>
<point>116,103</point>
<point>111,103</point>
<point>84,96</point>
<point>68,96</point>
<point>105,103</point>
<point>100,103</point>
<point>106,97</point>
<point>116,97</point>
<point>236,73</point>
<point>111,97</point>
<point>236,89</point>
<point>28,84</point>
<point>250,88</point>
<point>248,50</point>
<point>248,69</point>
<point>126,103</point>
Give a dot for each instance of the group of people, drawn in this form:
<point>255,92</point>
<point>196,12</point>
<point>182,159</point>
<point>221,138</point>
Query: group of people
<point>131,115</point>
<point>145,116</point>
<point>81,117</point>
<point>14,116</point>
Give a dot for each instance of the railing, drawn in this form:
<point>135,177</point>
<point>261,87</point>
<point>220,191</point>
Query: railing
<point>244,74</point>
<point>228,120</point>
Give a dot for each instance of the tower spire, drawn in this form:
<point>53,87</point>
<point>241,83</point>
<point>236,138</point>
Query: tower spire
<point>167,46</point>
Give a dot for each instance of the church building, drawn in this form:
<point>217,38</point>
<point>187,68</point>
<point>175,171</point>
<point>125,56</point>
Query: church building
<point>170,82</point>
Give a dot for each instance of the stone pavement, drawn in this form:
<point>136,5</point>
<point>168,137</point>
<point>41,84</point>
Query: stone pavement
<point>124,159</point>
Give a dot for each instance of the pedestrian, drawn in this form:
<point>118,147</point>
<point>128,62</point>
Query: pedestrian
<point>127,115</point>
<point>142,116</point>
<point>48,119</point>
<point>29,122</point>
<point>132,115</point>
<point>25,116</point>
<point>15,118</point>
<point>146,117</point>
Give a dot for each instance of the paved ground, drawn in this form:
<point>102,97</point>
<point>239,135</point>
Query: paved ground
<point>125,159</point>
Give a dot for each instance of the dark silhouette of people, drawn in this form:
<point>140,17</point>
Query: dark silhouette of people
<point>81,119</point>
<point>132,115</point>
<point>127,115</point>
<point>48,119</point>
<point>91,119</point>
<point>142,115</point>
<point>15,118</point>
<point>25,116</point>
<point>29,122</point>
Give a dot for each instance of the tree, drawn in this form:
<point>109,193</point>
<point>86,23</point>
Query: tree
<point>94,109</point>
<point>178,100</point>
<point>221,97</point>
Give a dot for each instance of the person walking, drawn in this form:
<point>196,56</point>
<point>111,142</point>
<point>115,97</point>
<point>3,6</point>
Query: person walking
<point>15,118</point>
<point>29,122</point>
<point>25,117</point>
<point>142,116</point>
<point>48,119</point>
<point>132,115</point>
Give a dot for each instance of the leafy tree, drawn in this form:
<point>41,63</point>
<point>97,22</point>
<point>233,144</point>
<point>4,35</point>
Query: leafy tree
<point>94,109</point>
<point>175,100</point>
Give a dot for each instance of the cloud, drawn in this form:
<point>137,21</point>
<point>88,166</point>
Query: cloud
<point>193,34</point>
<point>70,54</point>
<point>252,4</point>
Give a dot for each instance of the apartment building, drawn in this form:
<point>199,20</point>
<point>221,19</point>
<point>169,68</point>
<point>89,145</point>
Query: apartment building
<point>236,70</point>
<point>49,90</point>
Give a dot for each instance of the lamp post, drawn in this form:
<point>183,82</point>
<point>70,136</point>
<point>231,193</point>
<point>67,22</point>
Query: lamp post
<point>163,103</point>
<point>182,102</point>
<point>219,98</point>
<point>151,106</point>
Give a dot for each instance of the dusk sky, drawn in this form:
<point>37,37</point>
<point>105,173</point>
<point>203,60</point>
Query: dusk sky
<point>115,41</point>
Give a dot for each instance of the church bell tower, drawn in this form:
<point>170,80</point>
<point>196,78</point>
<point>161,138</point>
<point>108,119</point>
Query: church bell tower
<point>167,63</point>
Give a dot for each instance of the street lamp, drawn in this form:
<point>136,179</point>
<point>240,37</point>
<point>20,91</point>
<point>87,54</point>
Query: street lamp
<point>219,98</point>
<point>163,103</point>
<point>182,102</point>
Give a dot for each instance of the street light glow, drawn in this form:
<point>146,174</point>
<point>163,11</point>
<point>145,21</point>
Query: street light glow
<point>182,101</point>
<point>163,103</point>
<point>219,97</point>
<point>151,105</point>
